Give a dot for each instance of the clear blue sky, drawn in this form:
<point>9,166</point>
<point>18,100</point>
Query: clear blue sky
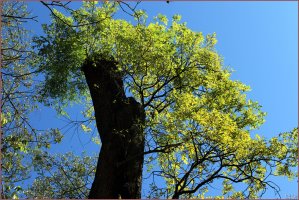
<point>259,40</point>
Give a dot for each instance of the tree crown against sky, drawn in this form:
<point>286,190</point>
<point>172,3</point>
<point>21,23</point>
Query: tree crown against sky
<point>20,141</point>
<point>198,120</point>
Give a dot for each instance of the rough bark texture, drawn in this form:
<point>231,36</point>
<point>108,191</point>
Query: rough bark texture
<point>119,120</point>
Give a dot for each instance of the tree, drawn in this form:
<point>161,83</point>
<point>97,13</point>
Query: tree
<point>15,83</point>
<point>68,176</point>
<point>20,141</point>
<point>160,91</point>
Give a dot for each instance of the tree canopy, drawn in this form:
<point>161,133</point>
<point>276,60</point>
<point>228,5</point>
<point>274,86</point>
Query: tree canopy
<point>198,120</point>
<point>20,141</point>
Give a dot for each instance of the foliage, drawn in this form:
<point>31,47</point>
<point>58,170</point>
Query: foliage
<point>18,101</point>
<point>198,120</point>
<point>62,176</point>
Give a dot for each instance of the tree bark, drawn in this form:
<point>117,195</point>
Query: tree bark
<point>120,121</point>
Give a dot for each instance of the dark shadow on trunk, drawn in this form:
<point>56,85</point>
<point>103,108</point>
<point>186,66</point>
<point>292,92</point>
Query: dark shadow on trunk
<point>120,121</point>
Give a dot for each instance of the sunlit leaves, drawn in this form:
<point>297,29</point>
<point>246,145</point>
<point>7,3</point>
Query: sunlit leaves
<point>197,118</point>
<point>96,140</point>
<point>85,128</point>
<point>18,100</point>
<point>62,176</point>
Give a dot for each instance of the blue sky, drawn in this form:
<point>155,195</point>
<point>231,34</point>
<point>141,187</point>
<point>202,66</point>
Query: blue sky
<point>259,40</point>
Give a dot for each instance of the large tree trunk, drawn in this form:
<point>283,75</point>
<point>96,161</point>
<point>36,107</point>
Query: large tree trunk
<point>120,121</point>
